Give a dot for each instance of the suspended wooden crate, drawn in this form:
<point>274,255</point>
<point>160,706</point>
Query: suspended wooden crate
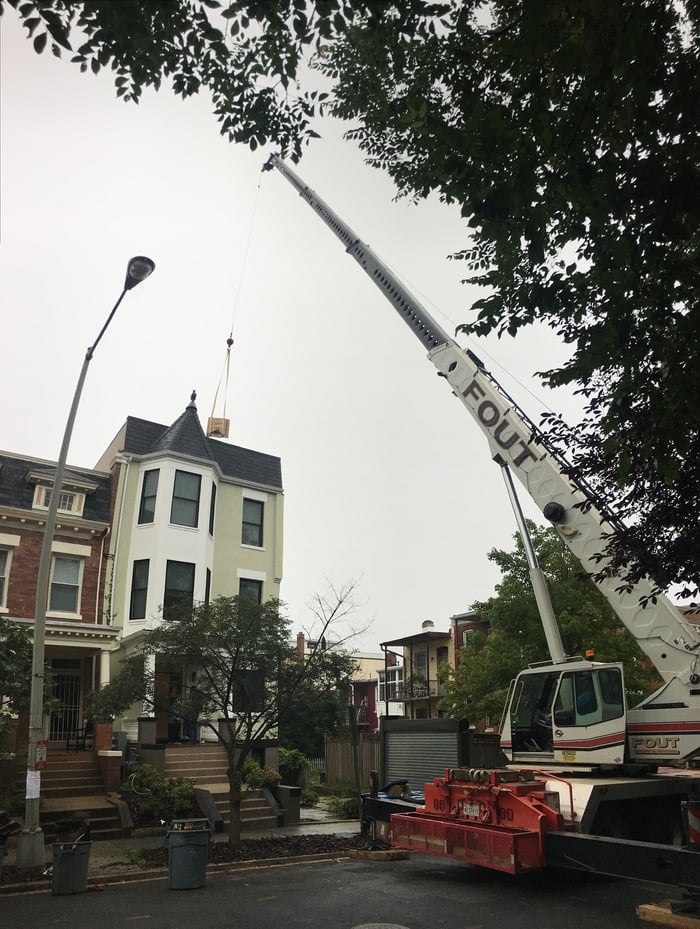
<point>218,428</point>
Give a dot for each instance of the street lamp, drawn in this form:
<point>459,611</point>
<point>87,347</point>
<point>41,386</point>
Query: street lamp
<point>30,844</point>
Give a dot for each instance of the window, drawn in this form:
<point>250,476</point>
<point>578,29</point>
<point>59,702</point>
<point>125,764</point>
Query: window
<point>390,684</point>
<point>207,586</point>
<point>249,588</point>
<point>64,594</point>
<point>179,585</point>
<point>139,589</point>
<point>5,557</point>
<point>67,502</point>
<point>184,510</point>
<point>248,690</point>
<point>252,522</point>
<point>147,509</point>
<point>212,509</point>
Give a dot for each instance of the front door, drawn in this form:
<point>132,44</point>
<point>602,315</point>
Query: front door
<point>66,676</point>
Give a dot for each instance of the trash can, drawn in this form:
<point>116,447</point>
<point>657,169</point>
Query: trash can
<point>70,867</point>
<point>188,851</point>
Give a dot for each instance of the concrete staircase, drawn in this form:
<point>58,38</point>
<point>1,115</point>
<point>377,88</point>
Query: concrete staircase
<point>206,765</point>
<point>72,788</point>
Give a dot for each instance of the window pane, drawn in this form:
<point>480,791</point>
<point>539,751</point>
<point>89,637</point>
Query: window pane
<point>248,588</point>
<point>252,523</point>
<point>179,584</point>
<point>147,510</point>
<point>212,509</point>
<point>66,570</point>
<point>185,506</point>
<point>139,589</point>
<point>3,575</point>
<point>65,589</point>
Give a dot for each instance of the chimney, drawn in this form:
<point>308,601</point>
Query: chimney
<point>427,625</point>
<point>301,646</point>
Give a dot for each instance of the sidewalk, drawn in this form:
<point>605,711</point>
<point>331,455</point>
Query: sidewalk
<point>114,851</point>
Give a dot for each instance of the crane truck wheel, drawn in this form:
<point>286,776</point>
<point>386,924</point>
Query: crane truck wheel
<point>610,824</point>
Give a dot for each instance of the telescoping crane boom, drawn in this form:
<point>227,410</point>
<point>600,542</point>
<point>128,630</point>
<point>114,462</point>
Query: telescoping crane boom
<point>581,762</point>
<point>666,726</point>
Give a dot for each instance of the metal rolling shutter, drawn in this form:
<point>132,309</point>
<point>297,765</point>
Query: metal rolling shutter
<point>419,756</point>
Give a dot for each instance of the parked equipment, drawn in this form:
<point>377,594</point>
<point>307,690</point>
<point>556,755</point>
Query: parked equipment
<point>579,762</point>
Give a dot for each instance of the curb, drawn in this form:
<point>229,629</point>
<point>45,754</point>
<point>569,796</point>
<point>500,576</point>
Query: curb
<point>98,882</point>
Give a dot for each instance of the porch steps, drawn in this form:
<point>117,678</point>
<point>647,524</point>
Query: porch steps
<point>72,786</point>
<point>206,764</point>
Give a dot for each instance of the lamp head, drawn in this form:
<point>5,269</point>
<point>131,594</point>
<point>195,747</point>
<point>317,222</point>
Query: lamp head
<point>138,269</point>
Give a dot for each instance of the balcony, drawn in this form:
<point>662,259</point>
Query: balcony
<point>418,688</point>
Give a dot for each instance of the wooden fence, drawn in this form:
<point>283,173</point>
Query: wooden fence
<point>340,758</point>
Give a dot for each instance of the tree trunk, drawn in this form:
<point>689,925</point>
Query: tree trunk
<point>235,798</point>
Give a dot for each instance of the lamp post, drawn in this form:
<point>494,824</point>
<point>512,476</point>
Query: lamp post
<point>30,844</point>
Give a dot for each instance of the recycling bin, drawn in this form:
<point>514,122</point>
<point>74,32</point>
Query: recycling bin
<point>70,867</point>
<point>188,851</point>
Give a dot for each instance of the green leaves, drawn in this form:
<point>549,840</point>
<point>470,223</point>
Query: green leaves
<point>487,664</point>
<point>568,134</point>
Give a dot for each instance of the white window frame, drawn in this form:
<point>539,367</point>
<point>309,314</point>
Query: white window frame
<point>69,501</point>
<point>5,575</point>
<point>248,498</point>
<point>391,678</point>
<point>79,585</point>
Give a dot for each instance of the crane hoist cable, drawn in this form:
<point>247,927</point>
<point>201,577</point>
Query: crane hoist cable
<point>224,373</point>
<point>219,426</point>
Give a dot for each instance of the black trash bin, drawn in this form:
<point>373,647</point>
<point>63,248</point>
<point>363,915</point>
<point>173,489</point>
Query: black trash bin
<point>70,867</point>
<point>188,852</point>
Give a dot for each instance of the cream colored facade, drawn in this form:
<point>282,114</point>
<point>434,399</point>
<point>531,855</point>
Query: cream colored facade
<point>180,504</point>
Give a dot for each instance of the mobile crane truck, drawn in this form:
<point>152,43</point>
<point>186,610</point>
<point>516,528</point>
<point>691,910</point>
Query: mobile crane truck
<point>581,788</point>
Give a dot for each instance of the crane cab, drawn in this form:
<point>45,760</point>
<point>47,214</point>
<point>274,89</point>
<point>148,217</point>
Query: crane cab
<point>570,713</point>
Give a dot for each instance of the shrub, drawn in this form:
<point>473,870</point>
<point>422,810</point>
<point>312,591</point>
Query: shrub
<point>345,807</point>
<point>152,798</point>
<point>292,765</point>
<point>308,797</point>
<point>255,777</point>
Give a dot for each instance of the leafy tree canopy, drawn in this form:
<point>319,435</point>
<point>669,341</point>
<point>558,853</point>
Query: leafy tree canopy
<point>16,673</point>
<point>568,134</point>
<point>487,663</point>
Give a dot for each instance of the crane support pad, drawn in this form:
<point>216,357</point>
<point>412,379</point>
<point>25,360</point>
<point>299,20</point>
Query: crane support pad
<point>640,861</point>
<point>509,850</point>
<point>666,914</point>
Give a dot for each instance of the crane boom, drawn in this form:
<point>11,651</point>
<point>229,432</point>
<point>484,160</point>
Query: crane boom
<point>582,523</point>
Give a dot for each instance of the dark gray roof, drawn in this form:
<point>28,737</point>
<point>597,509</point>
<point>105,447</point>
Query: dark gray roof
<point>16,491</point>
<point>187,437</point>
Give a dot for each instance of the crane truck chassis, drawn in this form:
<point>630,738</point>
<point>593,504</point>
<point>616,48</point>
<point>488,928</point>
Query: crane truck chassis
<point>579,788</point>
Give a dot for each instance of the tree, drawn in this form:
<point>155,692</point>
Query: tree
<point>246,673</point>
<point>16,673</point>
<point>568,134</point>
<point>319,707</point>
<point>478,687</point>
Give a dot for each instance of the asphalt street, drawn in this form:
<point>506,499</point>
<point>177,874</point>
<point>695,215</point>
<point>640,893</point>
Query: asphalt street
<point>421,892</point>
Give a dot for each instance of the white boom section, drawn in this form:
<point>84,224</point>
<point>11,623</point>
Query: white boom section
<point>670,642</point>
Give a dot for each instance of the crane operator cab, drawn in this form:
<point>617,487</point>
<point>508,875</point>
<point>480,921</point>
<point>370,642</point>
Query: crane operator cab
<point>569,713</point>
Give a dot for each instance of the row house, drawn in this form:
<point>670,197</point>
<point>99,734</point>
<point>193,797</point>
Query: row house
<point>78,640</point>
<point>415,684</point>
<point>169,515</point>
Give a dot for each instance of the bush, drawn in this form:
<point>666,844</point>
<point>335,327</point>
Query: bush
<point>345,807</point>
<point>308,797</point>
<point>152,798</point>
<point>292,764</point>
<point>255,777</point>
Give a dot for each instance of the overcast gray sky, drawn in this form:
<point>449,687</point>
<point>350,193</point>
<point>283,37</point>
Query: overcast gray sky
<point>387,480</point>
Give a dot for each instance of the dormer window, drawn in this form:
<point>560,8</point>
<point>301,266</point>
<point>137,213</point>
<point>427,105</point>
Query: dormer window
<point>75,488</point>
<point>67,502</point>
